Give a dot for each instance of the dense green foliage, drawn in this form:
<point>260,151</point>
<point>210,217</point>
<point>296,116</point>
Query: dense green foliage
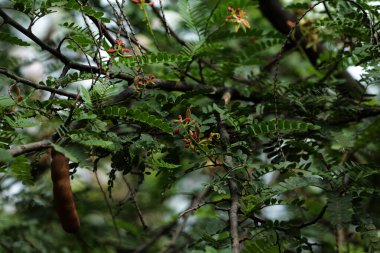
<point>193,126</point>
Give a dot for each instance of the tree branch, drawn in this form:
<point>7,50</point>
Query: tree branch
<point>25,148</point>
<point>234,190</point>
<point>4,72</point>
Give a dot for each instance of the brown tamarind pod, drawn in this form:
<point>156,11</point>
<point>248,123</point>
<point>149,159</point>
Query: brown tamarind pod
<point>63,196</point>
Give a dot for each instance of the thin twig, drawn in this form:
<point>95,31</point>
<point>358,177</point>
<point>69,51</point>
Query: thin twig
<point>194,208</point>
<point>133,197</point>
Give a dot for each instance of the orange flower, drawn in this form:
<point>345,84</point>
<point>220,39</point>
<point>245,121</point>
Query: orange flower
<point>239,18</point>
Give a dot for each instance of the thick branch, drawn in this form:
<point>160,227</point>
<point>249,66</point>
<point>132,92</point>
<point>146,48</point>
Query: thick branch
<point>234,191</point>
<point>3,71</point>
<point>22,149</point>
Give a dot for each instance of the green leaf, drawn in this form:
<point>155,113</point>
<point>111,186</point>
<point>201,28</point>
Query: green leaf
<point>141,116</point>
<point>195,14</point>
<point>164,165</point>
<point>6,102</point>
<point>22,122</point>
<point>66,153</point>
<point>5,156</point>
<point>85,96</point>
<point>95,142</point>
<point>13,40</point>
<point>21,169</point>
<point>284,125</point>
<point>260,246</point>
<point>154,58</point>
<point>296,182</point>
<point>150,120</point>
<point>339,208</point>
<point>115,111</point>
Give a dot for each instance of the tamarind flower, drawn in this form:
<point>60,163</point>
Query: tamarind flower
<point>239,18</point>
<point>120,42</point>
<point>142,82</point>
<point>120,49</point>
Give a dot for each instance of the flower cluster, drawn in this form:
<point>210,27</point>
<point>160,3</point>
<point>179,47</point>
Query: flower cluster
<point>120,49</point>
<point>142,3</point>
<point>141,82</point>
<point>190,132</point>
<point>239,18</point>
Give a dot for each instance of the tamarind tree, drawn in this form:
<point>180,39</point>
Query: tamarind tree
<point>189,126</point>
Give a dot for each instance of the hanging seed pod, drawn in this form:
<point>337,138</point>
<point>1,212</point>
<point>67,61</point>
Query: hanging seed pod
<point>63,196</point>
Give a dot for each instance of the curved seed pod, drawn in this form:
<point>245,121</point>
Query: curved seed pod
<point>63,197</point>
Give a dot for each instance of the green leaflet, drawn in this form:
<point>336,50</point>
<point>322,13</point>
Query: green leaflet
<point>18,122</point>
<point>339,208</point>
<point>151,120</point>
<point>13,40</point>
<point>66,152</point>
<point>141,116</point>
<point>72,4</point>
<point>154,58</point>
<point>5,156</point>
<point>6,101</point>
<point>195,14</point>
<point>20,168</point>
<point>86,97</point>
<point>164,165</point>
<point>269,127</point>
<point>76,28</point>
<point>288,185</point>
<point>260,246</point>
<point>293,183</point>
<point>115,111</point>
<point>92,140</point>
